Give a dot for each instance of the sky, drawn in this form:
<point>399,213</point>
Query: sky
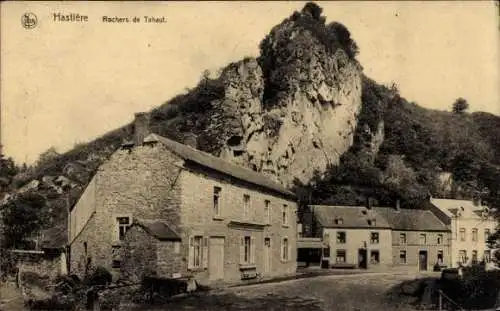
<point>64,83</point>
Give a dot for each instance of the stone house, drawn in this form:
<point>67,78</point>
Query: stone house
<point>470,224</point>
<point>419,238</point>
<point>224,222</point>
<point>356,236</point>
<point>47,257</point>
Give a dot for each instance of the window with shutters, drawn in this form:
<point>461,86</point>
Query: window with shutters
<point>462,234</point>
<point>267,211</point>
<point>247,250</point>
<point>474,257</point>
<point>198,252</point>
<point>486,234</point>
<point>285,215</point>
<point>340,256</point>
<point>487,256</point>
<point>402,257</point>
<point>474,235</point>
<point>285,250</point>
<point>341,237</point>
<point>374,257</point>
<point>402,238</point>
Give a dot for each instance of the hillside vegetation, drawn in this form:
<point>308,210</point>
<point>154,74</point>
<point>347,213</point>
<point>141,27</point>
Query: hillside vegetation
<point>418,144</point>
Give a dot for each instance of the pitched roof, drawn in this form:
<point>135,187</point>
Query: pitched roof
<point>158,229</point>
<point>451,207</point>
<point>54,238</point>
<point>352,217</point>
<point>215,163</point>
<point>411,219</point>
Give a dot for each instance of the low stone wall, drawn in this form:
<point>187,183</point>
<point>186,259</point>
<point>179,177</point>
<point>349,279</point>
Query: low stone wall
<point>43,264</point>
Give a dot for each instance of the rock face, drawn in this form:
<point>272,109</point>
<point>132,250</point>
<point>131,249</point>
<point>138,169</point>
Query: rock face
<point>309,119</point>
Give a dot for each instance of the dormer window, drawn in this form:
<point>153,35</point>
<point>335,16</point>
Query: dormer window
<point>339,221</point>
<point>372,222</point>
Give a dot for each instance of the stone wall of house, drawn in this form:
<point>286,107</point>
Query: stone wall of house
<point>140,182</point>
<point>83,248</point>
<point>358,239</point>
<point>199,219</point>
<point>83,210</point>
<point>414,245</point>
<point>138,256</point>
<point>170,262</point>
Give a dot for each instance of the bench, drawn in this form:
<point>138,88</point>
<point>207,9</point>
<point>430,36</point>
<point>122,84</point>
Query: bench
<point>343,266</point>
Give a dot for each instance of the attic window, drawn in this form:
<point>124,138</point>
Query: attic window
<point>364,212</point>
<point>372,222</point>
<point>234,141</point>
<point>339,221</point>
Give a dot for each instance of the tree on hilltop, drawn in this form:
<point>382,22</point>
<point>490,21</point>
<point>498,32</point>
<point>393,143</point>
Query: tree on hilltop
<point>314,10</point>
<point>460,105</point>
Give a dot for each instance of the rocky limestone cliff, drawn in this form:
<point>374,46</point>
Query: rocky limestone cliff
<point>310,120</point>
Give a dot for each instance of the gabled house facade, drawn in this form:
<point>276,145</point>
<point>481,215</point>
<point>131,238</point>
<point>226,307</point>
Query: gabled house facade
<point>470,224</point>
<point>419,239</point>
<point>224,222</point>
<point>355,236</point>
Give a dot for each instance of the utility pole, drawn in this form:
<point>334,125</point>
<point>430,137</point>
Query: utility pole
<point>68,253</point>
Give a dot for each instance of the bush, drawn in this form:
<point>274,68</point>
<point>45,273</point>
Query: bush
<point>52,303</point>
<point>67,284</point>
<point>478,289</point>
<point>34,279</point>
<point>100,276</point>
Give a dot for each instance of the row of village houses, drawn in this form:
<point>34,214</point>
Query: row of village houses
<point>441,233</point>
<point>159,207</point>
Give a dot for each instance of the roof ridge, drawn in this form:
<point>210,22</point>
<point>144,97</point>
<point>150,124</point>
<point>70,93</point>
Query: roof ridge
<point>232,170</point>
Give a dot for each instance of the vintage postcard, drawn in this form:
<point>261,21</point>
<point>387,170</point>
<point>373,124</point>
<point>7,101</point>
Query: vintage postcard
<point>241,155</point>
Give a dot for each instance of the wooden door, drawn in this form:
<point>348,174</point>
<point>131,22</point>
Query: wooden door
<point>216,258</point>
<point>267,255</point>
<point>422,260</point>
<point>362,260</point>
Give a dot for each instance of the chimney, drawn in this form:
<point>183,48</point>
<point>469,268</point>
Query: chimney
<point>191,140</point>
<point>141,127</point>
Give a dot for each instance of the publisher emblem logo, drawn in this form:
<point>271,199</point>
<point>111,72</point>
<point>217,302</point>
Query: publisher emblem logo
<point>29,20</point>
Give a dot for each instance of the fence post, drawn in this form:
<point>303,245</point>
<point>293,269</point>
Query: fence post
<point>440,297</point>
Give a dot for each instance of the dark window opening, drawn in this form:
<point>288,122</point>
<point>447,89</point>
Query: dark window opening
<point>234,141</point>
<point>116,264</point>
<point>374,257</point>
